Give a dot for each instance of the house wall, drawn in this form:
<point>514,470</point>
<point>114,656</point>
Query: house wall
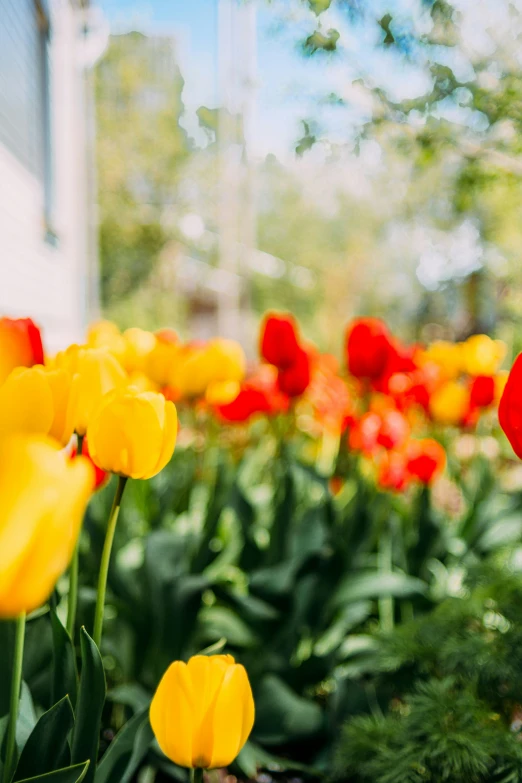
<point>49,276</point>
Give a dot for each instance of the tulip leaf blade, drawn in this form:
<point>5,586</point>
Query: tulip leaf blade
<point>65,676</point>
<point>368,584</point>
<point>283,715</point>
<point>26,716</point>
<point>252,758</point>
<point>91,698</point>
<point>126,751</point>
<point>47,748</point>
<point>74,774</point>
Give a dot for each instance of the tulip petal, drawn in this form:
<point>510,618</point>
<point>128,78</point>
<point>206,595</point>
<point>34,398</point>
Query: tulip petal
<point>43,499</point>
<point>54,540</point>
<point>26,402</point>
<point>207,676</point>
<point>170,434</point>
<point>60,384</point>
<point>232,717</point>
<point>171,714</point>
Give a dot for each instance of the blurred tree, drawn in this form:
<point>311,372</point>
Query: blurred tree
<point>459,136</point>
<point>141,148</point>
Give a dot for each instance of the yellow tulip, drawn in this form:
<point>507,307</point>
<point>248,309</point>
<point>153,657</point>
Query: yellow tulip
<point>222,392</point>
<point>482,355</point>
<point>97,372</point>
<point>197,367</point>
<point>36,400</point>
<point>44,495</point>
<point>162,358</point>
<point>66,360</point>
<point>141,382</point>
<point>449,403</point>
<point>227,360</point>
<point>133,433</point>
<point>203,711</point>
<point>105,334</point>
<point>139,344</point>
<point>447,356</point>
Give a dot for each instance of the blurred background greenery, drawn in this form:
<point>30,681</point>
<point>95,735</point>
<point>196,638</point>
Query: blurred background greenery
<point>354,157</point>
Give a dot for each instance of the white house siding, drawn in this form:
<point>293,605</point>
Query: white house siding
<point>50,281</point>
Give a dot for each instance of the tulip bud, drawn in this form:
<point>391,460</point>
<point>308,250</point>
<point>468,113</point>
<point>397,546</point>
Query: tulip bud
<point>368,348</point>
<point>200,365</point>
<point>279,342</point>
<point>482,391</point>
<point>162,358</point>
<point>426,459</point>
<point>203,711</point>
<point>96,373</point>
<point>482,355</point>
<point>35,400</point>
<point>447,357</point>
<point>449,404</point>
<point>392,471</point>
<point>44,496</point>
<point>133,433</point>
<point>139,345</point>
<point>510,408</point>
<point>105,334</point>
<point>20,345</point>
<point>294,380</point>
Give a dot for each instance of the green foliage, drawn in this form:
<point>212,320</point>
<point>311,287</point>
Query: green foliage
<point>450,684</point>
<point>91,698</point>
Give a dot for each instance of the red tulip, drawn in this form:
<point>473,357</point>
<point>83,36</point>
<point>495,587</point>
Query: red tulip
<point>279,342</point>
<point>510,408</point>
<point>368,348</point>
<point>394,430</point>
<point>247,403</point>
<point>426,459</point>
<point>482,392</point>
<point>294,380</point>
<point>393,473</point>
<point>20,345</point>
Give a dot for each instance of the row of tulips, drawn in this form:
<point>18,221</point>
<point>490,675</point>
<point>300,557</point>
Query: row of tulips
<point>109,407</point>
<point>203,711</point>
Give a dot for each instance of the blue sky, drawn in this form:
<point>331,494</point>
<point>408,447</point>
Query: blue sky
<point>286,83</point>
<point>194,23</point>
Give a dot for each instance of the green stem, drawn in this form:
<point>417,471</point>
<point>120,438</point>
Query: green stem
<point>74,572</point>
<point>16,684</point>
<point>105,560</point>
<point>196,775</point>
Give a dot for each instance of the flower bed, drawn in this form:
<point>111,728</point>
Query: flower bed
<point>347,531</point>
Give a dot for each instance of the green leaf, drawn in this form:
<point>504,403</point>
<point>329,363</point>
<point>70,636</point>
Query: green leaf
<point>73,774</point>
<point>47,748</point>
<point>26,716</point>
<point>282,715</point>
<point>220,621</point>
<point>65,677</point>
<point>350,616</point>
<point>126,751</point>
<point>253,757</point>
<point>375,584</point>
<point>89,709</point>
<point>270,582</point>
